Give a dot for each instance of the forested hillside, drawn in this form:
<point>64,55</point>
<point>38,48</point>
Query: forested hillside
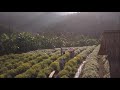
<point>16,42</point>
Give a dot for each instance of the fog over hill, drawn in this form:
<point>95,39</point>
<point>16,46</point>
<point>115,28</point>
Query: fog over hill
<point>89,22</point>
<point>84,22</point>
<point>28,21</point>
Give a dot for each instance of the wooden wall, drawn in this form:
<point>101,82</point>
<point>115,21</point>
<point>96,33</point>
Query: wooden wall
<point>110,45</point>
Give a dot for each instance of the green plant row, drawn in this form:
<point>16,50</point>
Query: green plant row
<point>72,65</point>
<point>14,63</point>
<point>22,66</point>
<point>56,64</point>
<point>35,69</point>
<point>91,67</point>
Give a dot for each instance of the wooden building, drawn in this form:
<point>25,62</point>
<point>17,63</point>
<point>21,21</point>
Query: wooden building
<point>110,45</point>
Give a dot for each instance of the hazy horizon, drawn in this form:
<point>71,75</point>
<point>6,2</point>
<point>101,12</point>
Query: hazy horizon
<point>68,21</point>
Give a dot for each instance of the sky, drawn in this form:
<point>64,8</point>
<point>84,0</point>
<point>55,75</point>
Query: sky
<point>24,19</point>
<point>66,13</point>
<point>32,21</point>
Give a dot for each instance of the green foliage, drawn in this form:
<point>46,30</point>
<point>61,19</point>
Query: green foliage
<point>2,70</point>
<point>54,57</point>
<point>91,74</point>
<point>8,44</point>
<point>10,74</point>
<point>63,72</point>
<point>41,74</point>
<point>10,66</point>
<point>68,68</point>
<point>24,42</point>
<point>33,62</point>
<point>21,76</point>
<point>23,67</point>
<point>45,56</point>
<point>92,65</point>
<point>47,62</point>
<point>64,76</point>
<point>39,59</point>
<point>37,64</point>
<point>91,68</point>
<point>47,71</point>
<point>2,76</point>
<point>55,66</point>
<point>70,63</point>
<point>31,73</point>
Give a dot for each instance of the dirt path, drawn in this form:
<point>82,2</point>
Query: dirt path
<point>79,70</point>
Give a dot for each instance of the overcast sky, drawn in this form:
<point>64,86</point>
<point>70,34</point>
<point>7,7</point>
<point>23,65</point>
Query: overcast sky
<point>37,20</point>
<point>20,19</point>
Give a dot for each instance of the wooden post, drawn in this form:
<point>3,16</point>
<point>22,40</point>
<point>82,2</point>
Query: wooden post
<point>110,45</point>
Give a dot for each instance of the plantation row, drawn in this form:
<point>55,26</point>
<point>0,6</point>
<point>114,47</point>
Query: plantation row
<point>72,65</point>
<point>40,63</point>
<point>95,66</point>
<point>13,65</point>
<point>91,68</point>
<point>21,64</point>
<point>44,69</point>
<point>56,64</point>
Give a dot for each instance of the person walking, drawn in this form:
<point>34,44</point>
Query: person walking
<point>62,62</point>
<point>71,51</point>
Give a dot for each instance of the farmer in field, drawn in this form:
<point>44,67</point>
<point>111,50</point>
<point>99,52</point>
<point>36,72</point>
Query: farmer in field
<point>71,51</point>
<point>62,63</point>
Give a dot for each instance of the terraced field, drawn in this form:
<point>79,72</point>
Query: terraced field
<point>86,63</point>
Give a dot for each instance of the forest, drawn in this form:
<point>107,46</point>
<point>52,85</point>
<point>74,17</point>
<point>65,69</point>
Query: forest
<point>15,42</point>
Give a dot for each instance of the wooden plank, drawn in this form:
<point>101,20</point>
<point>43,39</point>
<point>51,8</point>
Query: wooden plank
<point>110,45</point>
